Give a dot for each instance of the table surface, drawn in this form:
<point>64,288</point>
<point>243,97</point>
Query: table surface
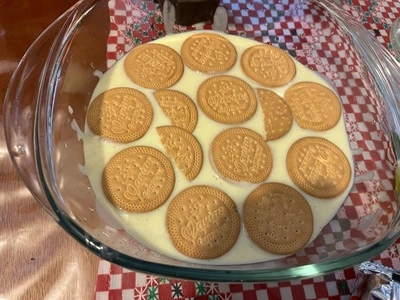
<point>36,254</point>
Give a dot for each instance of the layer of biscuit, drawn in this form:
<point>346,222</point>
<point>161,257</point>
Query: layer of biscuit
<point>149,228</point>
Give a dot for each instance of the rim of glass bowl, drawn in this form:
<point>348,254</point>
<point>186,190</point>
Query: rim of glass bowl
<point>388,85</point>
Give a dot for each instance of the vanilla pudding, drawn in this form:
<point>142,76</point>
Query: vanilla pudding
<point>149,228</point>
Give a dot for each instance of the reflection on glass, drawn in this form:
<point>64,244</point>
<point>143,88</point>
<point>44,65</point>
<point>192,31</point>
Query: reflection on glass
<point>395,36</point>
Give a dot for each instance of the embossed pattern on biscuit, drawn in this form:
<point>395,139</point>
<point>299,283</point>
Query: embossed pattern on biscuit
<point>268,65</point>
<point>278,117</point>
<point>278,218</point>
<point>208,52</point>
<point>183,148</point>
<point>242,155</point>
<point>227,99</point>
<point>203,222</point>
<point>314,106</point>
<point>154,66</point>
<point>138,179</point>
<point>178,107</point>
<point>318,167</point>
<point>121,114</point>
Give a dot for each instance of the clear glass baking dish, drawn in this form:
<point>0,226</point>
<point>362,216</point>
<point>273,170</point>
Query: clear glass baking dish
<point>49,93</point>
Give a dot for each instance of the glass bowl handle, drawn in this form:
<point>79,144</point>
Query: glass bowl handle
<point>384,69</point>
<point>20,107</point>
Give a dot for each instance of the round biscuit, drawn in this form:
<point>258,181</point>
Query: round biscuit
<point>203,222</point>
<point>178,107</point>
<point>138,179</point>
<point>121,114</point>
<point>278,117</point>
<point>227,99</point>
<point>242,155</point>
<point>278,218</point>
<point>268,65</point>
<point>183,148</point>
<point>318,167</point>
<point>208,52</point>
<point>314,106</point>
<point>154,66</point>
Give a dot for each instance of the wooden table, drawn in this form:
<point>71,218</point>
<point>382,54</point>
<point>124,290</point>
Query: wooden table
<point>38,259</point>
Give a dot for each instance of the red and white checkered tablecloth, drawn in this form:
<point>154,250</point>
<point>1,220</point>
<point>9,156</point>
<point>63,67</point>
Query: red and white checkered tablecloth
<point>129,28</point>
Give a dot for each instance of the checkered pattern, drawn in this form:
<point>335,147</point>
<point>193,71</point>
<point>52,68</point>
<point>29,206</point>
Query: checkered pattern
<point>378,15</point>
<point>114,282</point>
<point>311,37</point>
<point>132,23</point>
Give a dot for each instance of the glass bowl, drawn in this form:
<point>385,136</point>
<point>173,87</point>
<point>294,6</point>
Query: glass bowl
<point>48,96</point>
